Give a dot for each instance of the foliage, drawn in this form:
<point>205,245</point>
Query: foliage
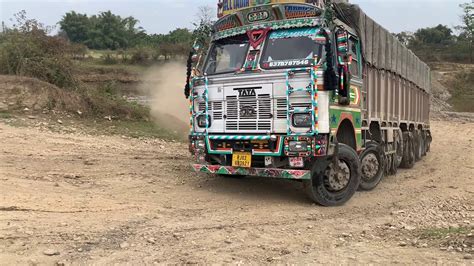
<point>440,43</point>
<point>467,28</point>
<point>106,101</point>
<point>112,32</point>
<point>103,31</point>
<point>27,50</point>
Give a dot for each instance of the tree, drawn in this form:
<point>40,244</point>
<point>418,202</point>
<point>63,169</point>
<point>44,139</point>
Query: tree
<point>103,31</point>
<point>203,27</point>
<point>439,35</point>
<point>76,26</point>
<point>467,28</point>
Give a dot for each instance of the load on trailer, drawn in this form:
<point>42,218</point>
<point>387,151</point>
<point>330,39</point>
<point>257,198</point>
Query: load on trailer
<point>306,90</point>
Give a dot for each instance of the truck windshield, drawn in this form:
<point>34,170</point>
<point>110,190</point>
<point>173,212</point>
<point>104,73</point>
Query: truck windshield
<point>290,48</point>
<point>227,55</point>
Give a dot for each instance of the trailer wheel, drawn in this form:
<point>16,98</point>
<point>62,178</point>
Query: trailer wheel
<point>429,139</point>
<point>398,142</point>
<point>424,137</point>
<point>395,165</point>
<point>372,166</point>
<point>336,182</point>
<point>409,151</point>
<point>418,145</point>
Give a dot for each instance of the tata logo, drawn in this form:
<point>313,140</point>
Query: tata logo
<point>247,92</point>
<point>247,111</point>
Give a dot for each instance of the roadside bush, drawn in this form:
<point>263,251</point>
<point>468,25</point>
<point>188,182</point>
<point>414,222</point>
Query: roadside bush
<point>140,55</point>
<point>78,51</point>
<point>27,50</point>
<point>106,101</point>
<point>109,59</point>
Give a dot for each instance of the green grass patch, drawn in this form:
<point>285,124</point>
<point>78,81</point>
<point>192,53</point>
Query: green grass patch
<point>441,233</point>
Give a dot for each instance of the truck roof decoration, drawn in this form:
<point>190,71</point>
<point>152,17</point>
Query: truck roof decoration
<point>275,16</point>
<point>382,49</point>
<point>228,7</point>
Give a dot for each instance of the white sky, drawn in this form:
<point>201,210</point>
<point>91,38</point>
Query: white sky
<point>161,16</point>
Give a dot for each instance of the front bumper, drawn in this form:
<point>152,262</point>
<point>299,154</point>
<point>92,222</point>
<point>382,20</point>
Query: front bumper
<point>262,172</point>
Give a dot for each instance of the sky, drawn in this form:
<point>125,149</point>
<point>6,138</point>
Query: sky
<point>162,16</point>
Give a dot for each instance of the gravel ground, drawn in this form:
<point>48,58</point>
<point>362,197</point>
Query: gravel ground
<point>74,198</point>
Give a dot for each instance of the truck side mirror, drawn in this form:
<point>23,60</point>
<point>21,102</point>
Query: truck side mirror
<point>344,85</point>
<point>344,60</point>
<point>330,77</point>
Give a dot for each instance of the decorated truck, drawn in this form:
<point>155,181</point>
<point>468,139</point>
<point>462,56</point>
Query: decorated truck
<point>309,90</point>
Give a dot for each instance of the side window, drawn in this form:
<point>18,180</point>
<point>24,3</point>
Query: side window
<point>354,51</point>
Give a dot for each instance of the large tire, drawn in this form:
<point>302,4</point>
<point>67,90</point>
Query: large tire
<point>424,136</point>
<point>398,141</point>
<point>372,162</point>
<point>419,146</point>
<point>429,139</point>
<point>409,151</point>
<point>397,157</point>
<point>335,185</point>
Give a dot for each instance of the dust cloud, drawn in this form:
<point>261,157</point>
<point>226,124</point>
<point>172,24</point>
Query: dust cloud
<point>164,87</point>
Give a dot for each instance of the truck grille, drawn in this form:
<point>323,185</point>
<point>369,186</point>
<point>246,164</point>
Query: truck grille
<point>249,113</point>
<point>215,109</point>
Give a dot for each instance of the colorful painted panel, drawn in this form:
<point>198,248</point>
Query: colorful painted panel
<point>227,7</point>
<point>294,33</point>
<point>338,113</point>
<point>278,24</point>
<point>262,172</point>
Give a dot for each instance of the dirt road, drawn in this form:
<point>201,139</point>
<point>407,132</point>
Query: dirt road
<point>77,198</point>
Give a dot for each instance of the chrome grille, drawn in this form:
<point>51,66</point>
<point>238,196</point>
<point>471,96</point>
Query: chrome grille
<point>215,109</point>
<point>249,113</point>
<point>281,108</point>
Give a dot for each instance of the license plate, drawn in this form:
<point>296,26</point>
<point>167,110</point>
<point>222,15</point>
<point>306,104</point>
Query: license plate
<point>242,159</point>
<point>296,162</point>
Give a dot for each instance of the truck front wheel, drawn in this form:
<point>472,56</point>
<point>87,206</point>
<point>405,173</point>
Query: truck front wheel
<point>337,183</point>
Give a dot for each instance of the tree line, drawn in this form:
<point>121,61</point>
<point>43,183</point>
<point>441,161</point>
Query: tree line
<point>441,43</point>
<point>107,31</point>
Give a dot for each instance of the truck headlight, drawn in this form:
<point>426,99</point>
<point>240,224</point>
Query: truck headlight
<point>302,120</point>
<point>201,121</point>
<point>298,146</point>
<point>200,144</point>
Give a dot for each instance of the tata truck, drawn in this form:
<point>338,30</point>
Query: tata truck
<point>313,91</point>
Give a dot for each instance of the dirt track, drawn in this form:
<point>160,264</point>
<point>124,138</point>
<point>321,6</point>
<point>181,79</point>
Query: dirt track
<point>108,200</point>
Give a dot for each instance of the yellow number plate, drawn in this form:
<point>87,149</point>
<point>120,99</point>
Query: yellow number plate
<point>242,159</point>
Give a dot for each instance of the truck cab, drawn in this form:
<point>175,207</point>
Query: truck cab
<point>279,94</point>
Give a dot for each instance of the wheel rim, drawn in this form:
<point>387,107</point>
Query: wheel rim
<point>337,178</point>
<point>370,166</point>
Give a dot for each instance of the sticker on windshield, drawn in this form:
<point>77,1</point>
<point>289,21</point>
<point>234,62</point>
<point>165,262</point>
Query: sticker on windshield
<point>287,63</point>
